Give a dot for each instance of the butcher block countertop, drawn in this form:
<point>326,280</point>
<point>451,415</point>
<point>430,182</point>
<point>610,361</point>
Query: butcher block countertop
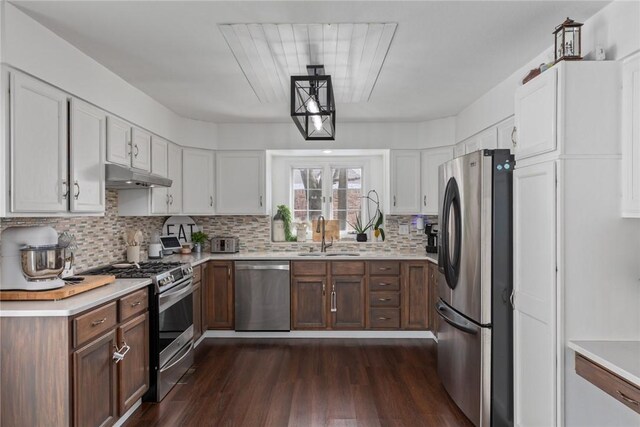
<point>82,302</point>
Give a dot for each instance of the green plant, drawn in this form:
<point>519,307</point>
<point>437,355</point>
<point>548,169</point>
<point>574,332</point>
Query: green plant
<point>285,213</point>
<point>358,226</point>
<point>377,229</point>
<point>199,237</point>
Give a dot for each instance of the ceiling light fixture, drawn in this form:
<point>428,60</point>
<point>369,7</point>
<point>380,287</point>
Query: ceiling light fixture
<point>313,107</point>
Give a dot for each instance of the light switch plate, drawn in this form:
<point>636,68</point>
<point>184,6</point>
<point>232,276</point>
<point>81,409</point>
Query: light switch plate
<point>404,230</point>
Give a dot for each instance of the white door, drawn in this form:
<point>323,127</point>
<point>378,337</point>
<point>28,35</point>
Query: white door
<point>197,181</point>
<point>535,295</point>
<point>118,141</point>
<point>174,163</point>
<point>431,160</point>
<point>506,134</point>
<point>141,150</point>
<point>405,182</point>
<point>38,146</point>
<point>240,178</point>
<point>159,166</point>
<point>88,135</point>
<point>535,115</point>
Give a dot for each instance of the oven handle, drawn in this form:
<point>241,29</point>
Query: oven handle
<point>167,299</point>
<point>180,356</point>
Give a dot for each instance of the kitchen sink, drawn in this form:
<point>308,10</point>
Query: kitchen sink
<point>343,254</point>
<point>332,254</point>
<point>310,254</point>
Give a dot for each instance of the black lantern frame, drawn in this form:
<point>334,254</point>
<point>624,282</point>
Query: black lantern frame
<point>313,107</point>
<point>568,48</point>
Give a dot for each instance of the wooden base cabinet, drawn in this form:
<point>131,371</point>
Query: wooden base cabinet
<point>309,303</point>
<point>133,370</point>
<point>415,295</point>
<point>348,295</point>
<point>219,295</point>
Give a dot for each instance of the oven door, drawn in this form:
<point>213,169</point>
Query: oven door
<point>175,320</point>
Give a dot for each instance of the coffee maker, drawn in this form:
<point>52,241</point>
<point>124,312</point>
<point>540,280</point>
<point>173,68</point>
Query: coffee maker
<point>432,237</point>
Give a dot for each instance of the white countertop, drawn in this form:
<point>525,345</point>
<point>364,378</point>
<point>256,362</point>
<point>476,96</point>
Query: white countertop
<point>72,305</point>
<point>620,357</point>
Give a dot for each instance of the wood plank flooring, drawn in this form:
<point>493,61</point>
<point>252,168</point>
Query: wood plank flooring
<point>305,382</point>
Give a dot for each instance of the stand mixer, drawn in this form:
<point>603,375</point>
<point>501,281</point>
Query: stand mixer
<point>31,259</point>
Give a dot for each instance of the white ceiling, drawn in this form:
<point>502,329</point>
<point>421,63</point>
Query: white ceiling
<point>443,56</point>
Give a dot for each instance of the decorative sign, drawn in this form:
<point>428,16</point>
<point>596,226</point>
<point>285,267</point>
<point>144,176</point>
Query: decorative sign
<point>181,227</point>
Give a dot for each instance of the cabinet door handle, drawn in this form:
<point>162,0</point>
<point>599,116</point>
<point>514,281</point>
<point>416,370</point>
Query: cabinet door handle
<point>65,189</point>
<point>513,137</point>
<point>511,297</point>
<point>135,304</point>
<point>167,202</point>
<point>229,272</point>
<point>211,201</point>
<point>394,200</point>
<point>137,150</point>
<point>121,352</point>
<point>323,288</point>
<point>425,200</point>
<point>334,301</point>
<point>384,299</point>
<point>98,322</point>
<point>76,195</point>
<point>260,201</point>
<point>171,198</point>
<point>627,398</point>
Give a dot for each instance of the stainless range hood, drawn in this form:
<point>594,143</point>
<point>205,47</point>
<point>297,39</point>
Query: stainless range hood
<point>124,178</point>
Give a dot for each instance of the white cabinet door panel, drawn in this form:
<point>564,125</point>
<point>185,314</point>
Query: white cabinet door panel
<point>535,294</point>
<point>459,149</point>
<point>197,185</point>
<point>405,184</point>
<point>141,150</point>
<point>487,139</point>
<point>431,161</point>
<point>38,146</point>
<point>118,141</point>
<point>174,163</point>
<point>159,166</point>
<point>506,134</point>
<point>631,137</point>
<point>240,182</point>
<point>88,135</point>
<point>535,115</point>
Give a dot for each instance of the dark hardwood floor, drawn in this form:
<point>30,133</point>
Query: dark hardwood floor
<point>305,382</point>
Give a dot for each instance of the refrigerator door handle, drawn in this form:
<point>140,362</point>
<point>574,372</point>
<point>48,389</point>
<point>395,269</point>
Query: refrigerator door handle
<point>456,320</point>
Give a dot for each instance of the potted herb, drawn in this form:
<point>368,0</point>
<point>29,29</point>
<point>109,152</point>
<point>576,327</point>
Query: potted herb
<point>198,238</point>
<point>285,215</point>
<point>360,229</point>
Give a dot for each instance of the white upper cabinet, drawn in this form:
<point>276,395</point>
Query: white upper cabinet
<point>197,184</point>
<point>118,141</point>
<point>141,149</point>
<point>38,136</point>
<point>159,166</point>
<point>431,161</point>
<point>535,112</point>
<point>506,134</point>
<point>459,149</point>
<point>631,137</point>
<point>487,139</point>
<point>87,145</point>
<point>174,170</point>
<point>405,182</point>
<point>240,183</point>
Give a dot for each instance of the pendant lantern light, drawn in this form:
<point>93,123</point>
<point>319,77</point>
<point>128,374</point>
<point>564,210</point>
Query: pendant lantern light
<point>313,108</point>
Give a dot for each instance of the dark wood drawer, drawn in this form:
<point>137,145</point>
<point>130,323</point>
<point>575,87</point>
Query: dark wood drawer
<point>347,268</point>
<point>385,318</point>
<point>197,274</point>
<point>609,382</point>
<point>382,283</point>
<point>94,323</point>
<point>384,299</point>
<point>384,268</point>
<point>133,304</point>
<point>309,268</point>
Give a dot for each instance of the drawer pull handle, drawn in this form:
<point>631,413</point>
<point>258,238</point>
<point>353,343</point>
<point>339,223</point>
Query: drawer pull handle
<point>384,284</point>
<point>627,398</point>
<point>384,299</point>
<point>384,268</point>
<point>98,322</point>
<point>120,353</point>
<point>135,304</point>
<point>384,318</point>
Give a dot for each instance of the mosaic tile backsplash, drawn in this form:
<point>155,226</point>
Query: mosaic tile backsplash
<point>100,239</point>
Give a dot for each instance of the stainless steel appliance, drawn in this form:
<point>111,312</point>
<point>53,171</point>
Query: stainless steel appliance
<point>171,321</point>
<point>122,178</point>
<point>475,355</point>
<point>225,245</point>
<point>432,238</point>
<point>262,296</point>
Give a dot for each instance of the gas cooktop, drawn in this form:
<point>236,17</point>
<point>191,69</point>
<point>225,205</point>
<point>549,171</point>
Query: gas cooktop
<point>146,270</point>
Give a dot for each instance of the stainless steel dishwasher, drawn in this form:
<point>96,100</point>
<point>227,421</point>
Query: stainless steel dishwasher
<point>262,297</point>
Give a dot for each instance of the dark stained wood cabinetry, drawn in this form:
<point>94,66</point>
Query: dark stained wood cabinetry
<point>219,295</point>
<point>309,295</point>
<point>197,303</point>
<point>384,294</point>
<point>433,298</point>
<point>94,383</point>
<point>348,296</point>
<point>415,295</point>
<point>133,370</point>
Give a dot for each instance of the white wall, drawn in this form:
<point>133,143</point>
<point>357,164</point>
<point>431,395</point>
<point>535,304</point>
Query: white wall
<point>30,47</point>
<point>615,28</point>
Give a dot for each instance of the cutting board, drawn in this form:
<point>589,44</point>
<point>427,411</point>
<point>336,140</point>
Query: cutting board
<point>332,229</point>
<point>89,282</point>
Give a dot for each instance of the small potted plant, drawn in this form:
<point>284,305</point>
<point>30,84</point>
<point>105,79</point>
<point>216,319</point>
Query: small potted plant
<point>360,229</point>
<point>198,238</point>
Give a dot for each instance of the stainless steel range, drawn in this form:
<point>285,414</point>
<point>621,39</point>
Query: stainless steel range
<point>171,321</point>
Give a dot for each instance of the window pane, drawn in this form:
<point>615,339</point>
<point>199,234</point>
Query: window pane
<point>314,215</point>
<point>300,216</point>
<point>354,200</point>
<point>300,200</point>
<point>354,178</point>
<point>315,200</point>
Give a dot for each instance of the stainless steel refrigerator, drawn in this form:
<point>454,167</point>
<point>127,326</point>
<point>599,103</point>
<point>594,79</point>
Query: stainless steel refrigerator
<point>475,344</point>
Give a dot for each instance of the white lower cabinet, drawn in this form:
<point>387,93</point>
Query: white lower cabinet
<point>240,183</point>
<point>38,130</point>
<point>431,160</point>
<point>197,181</point>
<point>87,147</point>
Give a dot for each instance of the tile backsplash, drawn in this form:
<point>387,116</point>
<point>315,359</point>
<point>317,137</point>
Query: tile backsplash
<point>100,239</point>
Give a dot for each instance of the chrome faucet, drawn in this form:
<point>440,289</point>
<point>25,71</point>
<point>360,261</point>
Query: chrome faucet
<point>323,246</point>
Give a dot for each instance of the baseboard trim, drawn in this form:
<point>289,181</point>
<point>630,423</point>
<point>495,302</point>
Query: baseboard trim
<point>127,414</point>
<point>320,334</point>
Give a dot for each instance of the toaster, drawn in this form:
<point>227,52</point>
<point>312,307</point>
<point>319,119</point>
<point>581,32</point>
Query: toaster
<point>225,245</point>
